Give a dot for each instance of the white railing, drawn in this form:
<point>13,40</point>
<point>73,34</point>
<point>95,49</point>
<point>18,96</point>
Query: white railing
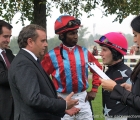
<point>128,60</point>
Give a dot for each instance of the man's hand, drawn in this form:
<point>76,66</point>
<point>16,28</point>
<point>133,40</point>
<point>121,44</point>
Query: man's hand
<point>107,84</point>
<point>127,86</point>
<point>72,111</point>
<point>71,102</point>
<point>90,96</point>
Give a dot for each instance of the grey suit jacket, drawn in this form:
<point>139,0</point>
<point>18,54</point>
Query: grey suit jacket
<point>33,91</point>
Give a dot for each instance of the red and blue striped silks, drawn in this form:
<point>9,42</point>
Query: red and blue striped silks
<point>71,73</point>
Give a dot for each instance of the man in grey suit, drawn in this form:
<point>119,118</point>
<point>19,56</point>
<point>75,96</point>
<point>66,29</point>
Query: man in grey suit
<point>34,94</point>
<point>6,57</point>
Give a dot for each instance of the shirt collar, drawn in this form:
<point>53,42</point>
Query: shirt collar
<point>30,53</point>
<point>117,64</point>
<point>70,48</point>
<point>2,50</point>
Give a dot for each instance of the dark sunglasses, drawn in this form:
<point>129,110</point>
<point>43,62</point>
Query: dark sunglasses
<point>103,39</point>
<point>70,24</point>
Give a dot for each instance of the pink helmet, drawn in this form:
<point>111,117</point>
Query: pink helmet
<point>65,23</point>
<point>114,40</point>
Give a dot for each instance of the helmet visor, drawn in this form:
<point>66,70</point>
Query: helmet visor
<point>70,24</point>
<point>73,23</point>
<point>104,40</point>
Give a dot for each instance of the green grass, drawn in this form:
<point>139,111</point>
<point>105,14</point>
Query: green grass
<point>97,104</point>
<point>99,60</point>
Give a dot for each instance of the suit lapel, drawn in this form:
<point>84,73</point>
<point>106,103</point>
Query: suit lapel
<point>9,55</point>
<point>1,59</point>
<point>46,77</point>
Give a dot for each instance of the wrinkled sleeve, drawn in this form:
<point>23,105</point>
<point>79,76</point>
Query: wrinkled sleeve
<point>95,78</point>
<point>126,97</point>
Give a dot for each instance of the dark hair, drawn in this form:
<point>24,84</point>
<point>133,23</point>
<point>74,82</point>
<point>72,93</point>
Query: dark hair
<point>135,24</point>
<point>135,72</point>
<point>116,55</point>
<point>28,32</point>
<point>64,37</point>
<point>4,24</point>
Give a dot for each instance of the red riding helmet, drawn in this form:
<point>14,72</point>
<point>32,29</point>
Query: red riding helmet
<point>114,40</point>
<point>65,23</point>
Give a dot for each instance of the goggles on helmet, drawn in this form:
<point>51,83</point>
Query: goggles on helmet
<point>70,24</point>
<point>104,40</point>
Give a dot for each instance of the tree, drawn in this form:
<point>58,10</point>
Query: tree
<point>53,42</point>
<point>14,46</point>
<point>36,11</point>
<point>32,10</point>
<point>122,8</point>
<point>91,41</point>
<point>82,32</point>
<point>129,38</point>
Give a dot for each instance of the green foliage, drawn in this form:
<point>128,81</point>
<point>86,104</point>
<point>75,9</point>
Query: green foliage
<point>90,40</point>
<point>129,39</point>
<point>53,42</point>
<point>86,42</point>
<point>25,7</point>
<point>82,32</point>
<point>122,8</point>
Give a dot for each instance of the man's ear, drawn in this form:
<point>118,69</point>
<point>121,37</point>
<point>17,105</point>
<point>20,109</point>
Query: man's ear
<point>30,42</point>
<point>61,36</point>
